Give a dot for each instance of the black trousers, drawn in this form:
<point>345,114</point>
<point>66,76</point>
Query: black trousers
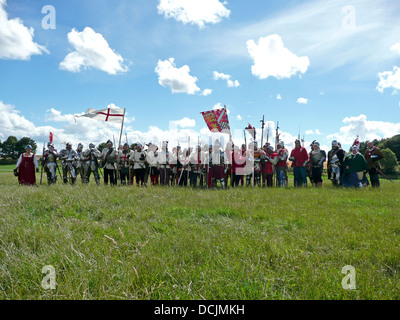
<point>124,173</point>
<point>139,176</point>
<point>374,178</point>
<point>110,173</point>
<point>316,174</point>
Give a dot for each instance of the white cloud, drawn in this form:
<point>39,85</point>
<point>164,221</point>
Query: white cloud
<point>16,40</point>
<point>233,84</point>
<point>183,123</point>
<point>388,79</point>
<point>302,100</point>
<point>196,12</point>
<point>366,129</point>
<point>317,132</point>
<point>396,48</point>
<point>272,59</point>
<point>178,79</point>
<point>278,97</point>
<point>239,117</point>
<point>206,92</point>
<point>92,51</point>
<point>227,77</point>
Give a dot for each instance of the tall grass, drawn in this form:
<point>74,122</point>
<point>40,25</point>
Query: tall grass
<point>179,243</point>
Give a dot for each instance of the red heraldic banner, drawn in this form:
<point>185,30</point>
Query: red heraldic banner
<point>217,120</point>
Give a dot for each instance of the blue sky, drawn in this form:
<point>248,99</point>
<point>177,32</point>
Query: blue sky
<point>328,67</point>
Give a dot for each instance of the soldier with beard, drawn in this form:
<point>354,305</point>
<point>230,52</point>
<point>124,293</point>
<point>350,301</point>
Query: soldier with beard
<point>281,165</point>
<point>271,158</point>
<point>373,155</point>
<point>335,166</point>
<point>254,157</point>
<point>109,157</point>
<point>195,166</point>
<point>154,166</point>
<point>67,157</point>
<point>91,157</point>
<point>299,157</point>
<point>80,163</point>
<point>125,157</point>
<point>49,163</point>
<point>165,168</point>
<point>139,166</point>
<point>217,167</point>
<point>317,159</point>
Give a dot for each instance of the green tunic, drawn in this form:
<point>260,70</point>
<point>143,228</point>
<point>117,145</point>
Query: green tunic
<point>355,162</point>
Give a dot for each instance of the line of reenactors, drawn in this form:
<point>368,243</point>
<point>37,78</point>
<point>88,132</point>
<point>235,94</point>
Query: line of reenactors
<point>204,166</point>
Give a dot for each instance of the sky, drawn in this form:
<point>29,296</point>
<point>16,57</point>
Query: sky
<point>327,70</point>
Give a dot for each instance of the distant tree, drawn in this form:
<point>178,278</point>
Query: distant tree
<point>9,147</point>
<point>393,144</point>
<point>102,146</point>
<point>1,146</point>
<point>389,163</point>
<point>23,142</point>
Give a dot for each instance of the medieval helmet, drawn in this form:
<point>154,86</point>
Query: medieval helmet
<point>91,145</point>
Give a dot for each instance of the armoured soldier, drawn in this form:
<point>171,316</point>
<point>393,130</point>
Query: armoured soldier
<point>109,157</point>
<point>165,169</point>
<point>153,161</point>
<point>335,166</point>
<point>67,156</point>
<point>91,163</point>
<point>49,163</point>
<point>139,166</point>
<point>80,162</point>
<point>281,166</point>
<point>195,166</point>
<point>316,160</point>
<point>125,157</point>
<point>254,156</point>
<point>217,167</point>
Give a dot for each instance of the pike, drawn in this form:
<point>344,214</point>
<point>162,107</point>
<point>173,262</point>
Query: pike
<point>129,160</point>
<point>385,176</point>
<point>187,162</point>
<point>262,140</point>
<point>275,182</point>
<point>41,171</point>
<point>262,130</point>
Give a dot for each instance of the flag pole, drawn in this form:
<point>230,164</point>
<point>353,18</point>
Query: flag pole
<point>122,127</point>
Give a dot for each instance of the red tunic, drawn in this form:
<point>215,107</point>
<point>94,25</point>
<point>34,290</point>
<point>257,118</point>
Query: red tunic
<point>269,168</point>
<point>301,156</point>
<point>26,169</point>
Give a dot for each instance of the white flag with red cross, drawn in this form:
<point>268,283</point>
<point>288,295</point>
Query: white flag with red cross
<point>113,114</point>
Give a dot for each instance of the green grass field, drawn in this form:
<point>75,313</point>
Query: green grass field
<point>168,243</point>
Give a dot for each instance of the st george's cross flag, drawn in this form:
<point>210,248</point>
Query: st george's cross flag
<point>217,120</point>
<point>113,114</point>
